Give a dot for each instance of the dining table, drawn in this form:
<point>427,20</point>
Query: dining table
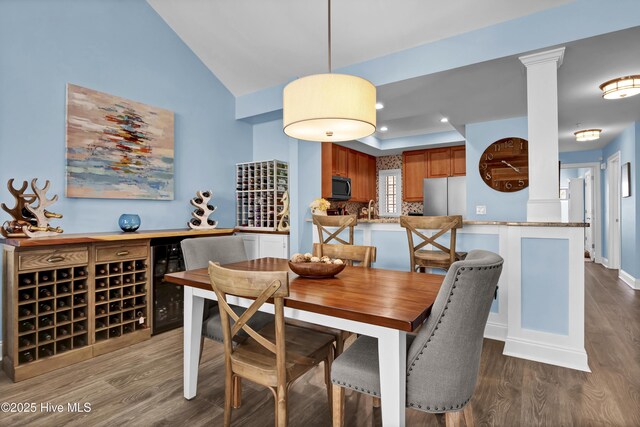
<point>385,304</point>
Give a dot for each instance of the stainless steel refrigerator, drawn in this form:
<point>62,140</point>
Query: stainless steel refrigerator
<point>445,196</point>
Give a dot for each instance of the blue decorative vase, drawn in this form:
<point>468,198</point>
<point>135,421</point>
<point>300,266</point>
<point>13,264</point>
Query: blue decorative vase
<point>129,222</point>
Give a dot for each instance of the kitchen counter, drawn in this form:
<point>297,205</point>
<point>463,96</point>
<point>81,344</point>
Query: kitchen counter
<point>472,222</point>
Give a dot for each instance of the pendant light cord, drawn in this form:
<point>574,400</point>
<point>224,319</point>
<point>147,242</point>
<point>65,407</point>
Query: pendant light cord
<point>329,19</point>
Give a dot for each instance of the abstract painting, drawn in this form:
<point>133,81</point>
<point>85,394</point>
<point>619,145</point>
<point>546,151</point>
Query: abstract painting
<point>116,148</point>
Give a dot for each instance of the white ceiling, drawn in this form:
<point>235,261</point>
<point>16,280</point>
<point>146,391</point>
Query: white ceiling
<point>496,90</point>
<point>254,44</point>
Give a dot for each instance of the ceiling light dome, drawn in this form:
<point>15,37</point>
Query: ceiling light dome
<point>587,135</point>
<point>329,107</point>
<point>622,87</point>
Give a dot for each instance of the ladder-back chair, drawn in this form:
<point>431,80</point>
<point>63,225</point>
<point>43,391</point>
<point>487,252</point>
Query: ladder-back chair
<point>444,256</point>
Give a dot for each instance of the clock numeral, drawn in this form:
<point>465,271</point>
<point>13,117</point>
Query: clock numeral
<point>497,147</point>
<point>508,144</point>
<point>484,166</point>
<point>508,186</point>
<point>520,183</point>
<point>488,156</point>
<point>521,145</point>
<point>487,176</point>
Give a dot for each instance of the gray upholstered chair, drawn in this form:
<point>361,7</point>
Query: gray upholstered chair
<point>197,253</point>
<point>444,357</point>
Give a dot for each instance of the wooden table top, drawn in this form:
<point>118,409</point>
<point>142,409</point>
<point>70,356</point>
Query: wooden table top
<point>395,299</point>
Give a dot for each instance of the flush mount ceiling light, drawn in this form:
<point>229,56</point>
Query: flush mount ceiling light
<point>622,87</point>
<point>587,135</point>
<point>329,107</point>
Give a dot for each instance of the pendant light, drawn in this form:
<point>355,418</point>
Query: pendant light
<point>329,107</point>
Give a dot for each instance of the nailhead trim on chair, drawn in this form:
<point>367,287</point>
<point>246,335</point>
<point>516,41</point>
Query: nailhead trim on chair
<point>436,327</point>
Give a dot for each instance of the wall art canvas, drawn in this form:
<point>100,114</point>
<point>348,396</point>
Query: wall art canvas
<point>117,148</point>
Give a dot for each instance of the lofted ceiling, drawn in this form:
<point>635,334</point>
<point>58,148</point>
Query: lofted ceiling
<point>255,44</point>
<point>252,45</point>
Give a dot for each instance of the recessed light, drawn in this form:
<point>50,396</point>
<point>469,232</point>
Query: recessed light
<point>379,105</point>
<point>444,120</point>
<point>383,128</point>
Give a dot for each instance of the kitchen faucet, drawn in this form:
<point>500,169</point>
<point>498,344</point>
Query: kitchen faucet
<point>369,209</point>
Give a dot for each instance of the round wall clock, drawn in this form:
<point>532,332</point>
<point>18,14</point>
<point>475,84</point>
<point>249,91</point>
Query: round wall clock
<point>504,165</point>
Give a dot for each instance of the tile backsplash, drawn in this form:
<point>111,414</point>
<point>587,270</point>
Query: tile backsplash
<point>395,162</point>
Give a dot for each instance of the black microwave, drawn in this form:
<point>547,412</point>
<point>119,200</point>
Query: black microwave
<point>340,188</point>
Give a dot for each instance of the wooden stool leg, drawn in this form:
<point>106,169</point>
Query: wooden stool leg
<point>237,392</point>
<point>228,390</point>
<point>338,406</point>
<point>468,415</point>
<point>452,419</point>
<point>281,407</point>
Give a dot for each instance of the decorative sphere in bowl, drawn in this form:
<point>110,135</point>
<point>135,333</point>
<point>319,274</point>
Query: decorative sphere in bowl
<point>316,270</point>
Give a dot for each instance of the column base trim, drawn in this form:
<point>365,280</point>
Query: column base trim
<point>565,357</point>
<point>495,331</point>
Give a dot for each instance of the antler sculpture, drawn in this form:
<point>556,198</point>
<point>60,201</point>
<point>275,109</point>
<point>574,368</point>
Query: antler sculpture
<point>28,220</point>
<point>200,220</point>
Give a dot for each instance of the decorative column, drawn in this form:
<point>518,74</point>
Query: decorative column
<point>542,109</point>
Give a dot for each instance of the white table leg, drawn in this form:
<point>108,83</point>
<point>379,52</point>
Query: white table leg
<point>392,351</point>
<point>193,311</point>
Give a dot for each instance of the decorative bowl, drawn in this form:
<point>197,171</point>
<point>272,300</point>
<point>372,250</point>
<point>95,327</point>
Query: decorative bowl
<point>129,222</point>
<point>316,270</point>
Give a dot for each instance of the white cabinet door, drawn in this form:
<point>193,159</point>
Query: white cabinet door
<point>251,245</point>
<point>274,245</point>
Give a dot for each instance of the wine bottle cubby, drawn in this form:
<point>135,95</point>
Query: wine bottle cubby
<point>260,188</point>
<point>65,304</point>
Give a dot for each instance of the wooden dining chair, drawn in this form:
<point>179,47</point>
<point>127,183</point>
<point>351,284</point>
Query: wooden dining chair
<point>342,222</point>
<point>274,356</point>
<point>443,257</point>
<point>443,358</point>
<point>362,256</point>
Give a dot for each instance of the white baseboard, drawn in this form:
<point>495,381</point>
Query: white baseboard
<point>629,280</point>
<point>495,331</point>
<point>605,262</point>
<point>601,260</point>
<point>547,353</point>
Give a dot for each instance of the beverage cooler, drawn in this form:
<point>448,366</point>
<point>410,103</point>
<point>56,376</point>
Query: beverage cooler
<point>168,299</point>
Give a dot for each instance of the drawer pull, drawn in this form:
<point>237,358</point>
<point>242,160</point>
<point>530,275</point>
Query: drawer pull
<point>53,259</point>
<point>122,253</point>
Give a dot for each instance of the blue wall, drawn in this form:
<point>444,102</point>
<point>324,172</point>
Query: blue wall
<point>125,50</point>
<point>626,144</point>
<point>500,206</point>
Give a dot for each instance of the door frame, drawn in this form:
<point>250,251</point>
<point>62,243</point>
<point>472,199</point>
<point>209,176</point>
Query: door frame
<point>613,212</point>
<point>596,201</point>
<point>591,180</point>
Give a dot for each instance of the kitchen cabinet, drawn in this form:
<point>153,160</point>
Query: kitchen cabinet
<point>359,167</point>
<point>439,163</point>
<point>431,163</point>
<point>262,245</point>
<point>458,161</point>
<point>414,170</point>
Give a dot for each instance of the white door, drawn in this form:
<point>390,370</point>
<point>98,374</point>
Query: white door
<point>274,245</point>
<point>251,246</point>
<point>576,200</point>
<point>588,214</point>
<point>613,210</point>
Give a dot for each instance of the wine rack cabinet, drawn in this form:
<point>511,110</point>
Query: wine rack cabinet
<point>260,188</point>
<point>65,304</point>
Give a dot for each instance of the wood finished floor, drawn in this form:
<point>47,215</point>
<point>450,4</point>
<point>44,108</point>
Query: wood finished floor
<point>142,385</point>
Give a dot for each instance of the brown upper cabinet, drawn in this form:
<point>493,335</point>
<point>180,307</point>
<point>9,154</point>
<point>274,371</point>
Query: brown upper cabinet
<point>342,161</point>
<point>432,163</point>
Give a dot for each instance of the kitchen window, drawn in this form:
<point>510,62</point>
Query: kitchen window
<point>390,192</point>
